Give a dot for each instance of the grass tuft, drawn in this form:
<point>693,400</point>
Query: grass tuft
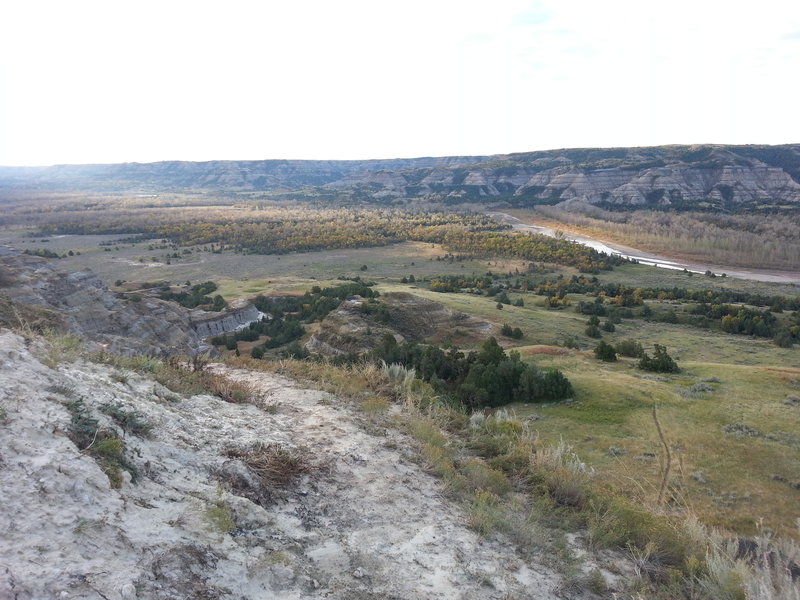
<point>485,514</point>
<point>104,445</point>
<point>130,421</point>
<point>270,469</point>
<point>60,347</point>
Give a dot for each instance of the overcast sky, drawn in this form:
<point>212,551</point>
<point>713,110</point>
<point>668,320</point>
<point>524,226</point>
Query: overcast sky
<point>119,80</point>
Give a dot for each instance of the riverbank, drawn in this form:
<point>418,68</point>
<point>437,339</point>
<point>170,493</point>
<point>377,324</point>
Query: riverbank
<point>647,258</point>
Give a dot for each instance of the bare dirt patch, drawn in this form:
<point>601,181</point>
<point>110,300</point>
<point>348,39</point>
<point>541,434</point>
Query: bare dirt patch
<point>546,350</point>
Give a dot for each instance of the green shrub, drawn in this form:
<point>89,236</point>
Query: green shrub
<point>620,523</point>
<point>483,477</point>
<point>630,348</point>
<point>593,331</point>
<point>486,514</point>
<point>130,421</point>
<point>567,488</point>
<point>605,352</point>
<point>104,445</point>
<point>661,362</point>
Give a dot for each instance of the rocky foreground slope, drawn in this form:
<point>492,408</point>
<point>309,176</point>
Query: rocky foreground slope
<point>361,520</point>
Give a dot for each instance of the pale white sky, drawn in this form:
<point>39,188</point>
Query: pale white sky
<point>122,80</point>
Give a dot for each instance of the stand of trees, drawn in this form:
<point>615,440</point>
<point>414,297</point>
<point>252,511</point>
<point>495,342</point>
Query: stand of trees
<point>625,296</point>
<point>712,308</point>
<point>660,362</point>
<point>277,230</point>
<point>489,377</point>
<point>315,304</point>
<point>280,331</point>
<point>198,295</point>
<point>752,240</point>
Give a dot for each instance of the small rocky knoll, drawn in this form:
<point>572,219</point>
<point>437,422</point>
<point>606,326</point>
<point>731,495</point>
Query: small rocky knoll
<point>357,325</point>
<point>196,513</point>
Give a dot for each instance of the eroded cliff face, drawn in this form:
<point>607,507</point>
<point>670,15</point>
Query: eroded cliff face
<point>681,176</point>
<point>87,308</point>
<point>239,314</point>
<point>218,174</point>
<point>725,179</point>
<point>664,185</point>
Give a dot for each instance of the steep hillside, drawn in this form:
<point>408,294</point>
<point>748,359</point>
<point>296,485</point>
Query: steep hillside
<point>33,289</point>
<point>702,176</point>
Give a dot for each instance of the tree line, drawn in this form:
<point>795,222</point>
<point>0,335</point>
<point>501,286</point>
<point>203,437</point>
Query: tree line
<point>488,377</point>
<point>750,240</point>
<point>279,230</point>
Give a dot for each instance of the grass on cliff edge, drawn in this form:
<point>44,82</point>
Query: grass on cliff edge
<point>509,481</point>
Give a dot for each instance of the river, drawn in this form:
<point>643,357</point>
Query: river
<point>655,260</point>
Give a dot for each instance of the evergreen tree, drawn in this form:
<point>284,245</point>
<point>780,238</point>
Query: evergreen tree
<point>605,352</point>
<point>491,353</point>
<point>630,347</point>
<point>593,331</point>
<point>661,362</point>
